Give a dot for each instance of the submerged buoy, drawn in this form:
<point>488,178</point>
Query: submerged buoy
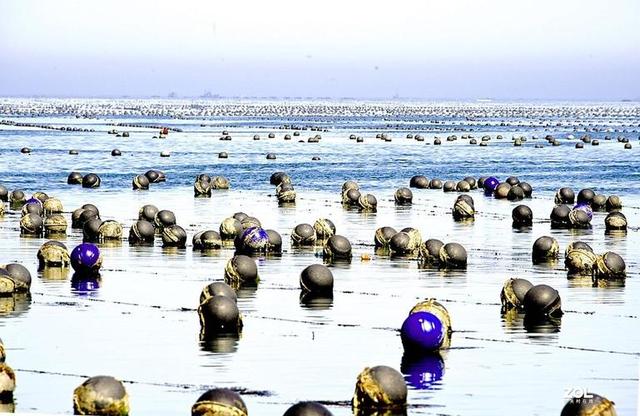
<point>218,315</point>
<point>101,395</point>
<point>545,248</point>
<point>220,402</point>
<point>337,247</point>
<point>453,256</point>
<point>383,236</point>
<point>542,300</point>
<point>86,260</point>
<point>53,254</point>
<point>379,388</point>
<point>592,405</point>
<point>241,270</point>
<point>513,293</point>
<point>307,409</point>
<point>316,279</point>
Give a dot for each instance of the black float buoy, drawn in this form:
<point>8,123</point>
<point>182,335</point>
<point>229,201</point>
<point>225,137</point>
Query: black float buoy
<point>541,301</point>
<point>516,193</point>
<point>279,177</point>
<point>140,182</point>
<point>218,289</point>
<point>155,176</point>
<point>53,254</point>
<point>337,247</point>
<point>610,265</point>
<point>502,191</point>
<point>207,240</point>
<point>545,248</point>
<point>383,236</point>
<point>307,409</point>
<point>303,235</point>
<point>317,279</point>
<point>241,270</point>
<point>91,230</point>
<point>449,186</point>
<point>174,236</point>
<point>148,213</point>
<point>430,251</point>
<point>101,395</point>
<point>400,244</point>
<point>513,293</point>
<point>463,208</point>
<point>274,244</point>
<point>141,232</point>
<point>522,216</point>
<point>74,178</point>
<point>230,228</point>
<point>435,184</point>
<point>403,196</point>
<point>419,182</point>
<point>585,196</point>
<point>202,186</point>
<point>463,186</point>
<point>164,218</point>
<point>110,230</point>
<point>379,388</point>
<point>560,217</point>
<point>580,260</point>
<point>615,221</point>
<point>367,202</point>
<point>593,405</point>
<point>613,203</point>
<point>219,402</point>
<point>324,228</point>
<point>565,196</point>
<point>453,256</point>
<point>219,315</point>
<point>599,202</point>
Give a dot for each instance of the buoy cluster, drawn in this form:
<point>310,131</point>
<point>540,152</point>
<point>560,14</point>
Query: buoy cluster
<point>147,126</point>
<point>204,184</point>
<point>94,229</point>
<point>90,180</point>
<point>577,213</point>
<point>45,126</point>
<point>285,192</point>
<point>353,198</point>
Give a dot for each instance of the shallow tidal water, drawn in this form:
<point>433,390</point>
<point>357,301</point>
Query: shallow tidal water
<point>141,326</point>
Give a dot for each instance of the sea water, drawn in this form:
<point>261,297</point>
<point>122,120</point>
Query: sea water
<point>141,326</point>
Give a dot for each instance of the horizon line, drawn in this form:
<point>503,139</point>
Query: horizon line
<point>216,97</point>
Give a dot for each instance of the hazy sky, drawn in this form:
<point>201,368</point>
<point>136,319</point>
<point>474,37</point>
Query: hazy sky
<point>547,49</point>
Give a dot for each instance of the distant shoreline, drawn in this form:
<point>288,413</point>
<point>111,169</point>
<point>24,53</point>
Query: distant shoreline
<point>329,99</point>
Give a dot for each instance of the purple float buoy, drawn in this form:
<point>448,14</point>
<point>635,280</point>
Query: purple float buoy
<point>86,259</point>
<point>490,185</point>
<point>253,239</point>
<point>422,332</point>
<point>583,206</point>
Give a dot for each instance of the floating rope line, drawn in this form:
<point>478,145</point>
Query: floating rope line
<point>351,325</point>
<point>192,309</point>
<point>567,347</point>
<point>185,386</point>
<point>347,403</point>
<point>203,387</point>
